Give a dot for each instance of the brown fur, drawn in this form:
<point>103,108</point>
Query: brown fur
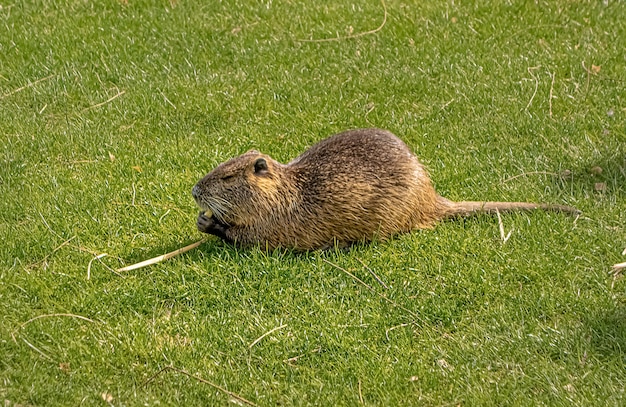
<point>354,186</point>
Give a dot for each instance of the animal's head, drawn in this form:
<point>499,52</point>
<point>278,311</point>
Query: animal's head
<point>240,189</point>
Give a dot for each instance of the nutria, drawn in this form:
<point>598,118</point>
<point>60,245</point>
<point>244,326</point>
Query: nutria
<point>351,187</point>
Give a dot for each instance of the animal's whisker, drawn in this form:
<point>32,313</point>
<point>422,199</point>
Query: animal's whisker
<point>218,206</point>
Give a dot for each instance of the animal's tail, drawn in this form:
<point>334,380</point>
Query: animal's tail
<point>468,208</point>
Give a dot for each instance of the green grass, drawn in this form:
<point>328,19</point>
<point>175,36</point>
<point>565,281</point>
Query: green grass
<point>110,112</point>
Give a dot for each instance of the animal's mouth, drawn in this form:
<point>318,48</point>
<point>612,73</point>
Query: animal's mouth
<point>211,214</point>
<point>211,207</point>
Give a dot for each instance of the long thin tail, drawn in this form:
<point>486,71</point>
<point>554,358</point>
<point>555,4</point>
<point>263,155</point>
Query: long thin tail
<point>468,208</point>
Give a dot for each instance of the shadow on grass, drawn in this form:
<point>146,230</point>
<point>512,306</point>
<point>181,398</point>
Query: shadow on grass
<point>608,332</point>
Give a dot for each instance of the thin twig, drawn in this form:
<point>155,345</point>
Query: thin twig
<point>56,249</point>
<point>351,275</point>
<point>414,315</point>
<point>48,316</point>
<point>373,274</point>
<point>530,173</point>
<point>184,372</point>
<point>230,393</point>
<point>26,86</point>
<point>361,34</point>
<point>161,258</point>
<point>66,243</point>
<point>108,268</point>
<point>105,102</point>
<point>79,248</point>
<point>260,338</point>
<point>154,376</point>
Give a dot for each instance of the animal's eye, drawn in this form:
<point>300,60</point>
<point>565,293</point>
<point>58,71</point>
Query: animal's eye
<point>227,177</point>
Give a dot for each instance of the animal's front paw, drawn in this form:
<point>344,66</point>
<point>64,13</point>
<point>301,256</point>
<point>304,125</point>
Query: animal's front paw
<point>204,223</point>
<point>211,225</point>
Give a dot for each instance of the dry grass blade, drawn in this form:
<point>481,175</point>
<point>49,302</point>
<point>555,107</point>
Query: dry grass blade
<point>201,380</point>
<point>260,338</point>
<point>361,394</point>
<point>361,34</point>
<point>530,173</point>
<point>161,258</point>
<point>105,102</point>
<point>394,327</point>
<point>26,86</point>
<point>369,287</point>
<point>98,257</point>
<point>48,316</point>
<point>617,268</point>
<point>36,349</point>
<point>551,96</point>
<point>56,249</point>
<point>372,273</point>
<point>530,71</point>
<point>395,304</point>
<point>501,226</point>
<point>295,358</point>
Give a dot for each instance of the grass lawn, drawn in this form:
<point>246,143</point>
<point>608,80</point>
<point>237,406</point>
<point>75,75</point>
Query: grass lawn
<point>110,111</point>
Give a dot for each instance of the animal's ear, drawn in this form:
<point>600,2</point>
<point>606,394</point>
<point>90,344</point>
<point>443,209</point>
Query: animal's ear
<point>260,166</point>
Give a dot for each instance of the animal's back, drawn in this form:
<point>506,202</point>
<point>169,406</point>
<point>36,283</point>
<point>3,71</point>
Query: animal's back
<point>365,183</point>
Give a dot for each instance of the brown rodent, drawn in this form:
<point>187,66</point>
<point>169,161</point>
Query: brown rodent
<point>351,187</point>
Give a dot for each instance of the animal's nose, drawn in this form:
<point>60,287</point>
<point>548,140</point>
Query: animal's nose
<point>195,191</point>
